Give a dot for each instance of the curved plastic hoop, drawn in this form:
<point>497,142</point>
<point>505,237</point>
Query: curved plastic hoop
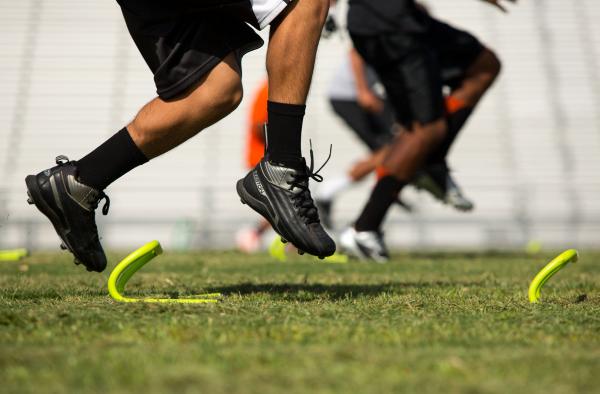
<point>13,255</point>
<point>548,271</point>
<point>134,262</point>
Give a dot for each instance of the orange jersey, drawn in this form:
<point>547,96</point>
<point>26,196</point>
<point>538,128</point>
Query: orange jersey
<point>255,145</point>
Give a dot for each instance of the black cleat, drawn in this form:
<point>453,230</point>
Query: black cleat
<point>281,195</point>
<point>438,181</point>
<point>70,206</point>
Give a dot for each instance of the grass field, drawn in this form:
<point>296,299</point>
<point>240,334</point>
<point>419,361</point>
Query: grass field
<point>423,323</point>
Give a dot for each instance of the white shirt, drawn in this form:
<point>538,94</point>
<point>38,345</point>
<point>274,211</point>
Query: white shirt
<point>343,83</point>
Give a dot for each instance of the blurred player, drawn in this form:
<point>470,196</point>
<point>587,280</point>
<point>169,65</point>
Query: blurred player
<point>194,49</point>
<point>354,98</point>
<point>414,55</point>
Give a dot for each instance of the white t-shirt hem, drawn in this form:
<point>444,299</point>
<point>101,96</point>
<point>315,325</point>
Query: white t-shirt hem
<point>267,10</point>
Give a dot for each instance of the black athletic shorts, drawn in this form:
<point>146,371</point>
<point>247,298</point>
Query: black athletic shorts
<point>415,64</point>
<point>375,130</point>
<point>182,40</point>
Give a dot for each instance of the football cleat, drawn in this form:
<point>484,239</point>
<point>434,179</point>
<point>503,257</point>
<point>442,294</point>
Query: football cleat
<point>281,195</point>
<point>70,206</point>
<point>364,245</point>
<point>437,180</point>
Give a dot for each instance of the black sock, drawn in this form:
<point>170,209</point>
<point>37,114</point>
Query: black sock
<point>284,133</point>
<point>111,160</point>
<point>382,197</point>
<point>456,121</point>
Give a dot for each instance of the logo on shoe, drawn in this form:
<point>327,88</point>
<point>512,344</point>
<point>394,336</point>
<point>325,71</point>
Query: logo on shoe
<point>259,185</point>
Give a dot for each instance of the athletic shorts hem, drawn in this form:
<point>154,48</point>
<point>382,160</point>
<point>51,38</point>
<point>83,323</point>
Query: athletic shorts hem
<point>189,80</point>
<point>183,85</point>
<point>272,14</point>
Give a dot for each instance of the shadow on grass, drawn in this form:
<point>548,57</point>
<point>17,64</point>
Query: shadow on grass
<point>335,291</point>
<point>460,256</point>
<point>296,290</point>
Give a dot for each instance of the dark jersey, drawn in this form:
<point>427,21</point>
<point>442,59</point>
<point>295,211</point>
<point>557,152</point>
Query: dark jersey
<point>371,17</point>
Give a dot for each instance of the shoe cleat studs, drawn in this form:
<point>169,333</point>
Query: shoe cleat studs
<point>242,201</point>
<point>321,257</point>
<point>77,262</point>
<point>63,246</point>
<point>283,240</point>
<point>29,199</point>
<point>300,252</point>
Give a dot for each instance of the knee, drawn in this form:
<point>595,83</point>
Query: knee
<point>231,97</point>
<point>208,106</point>
<point>219,100</point>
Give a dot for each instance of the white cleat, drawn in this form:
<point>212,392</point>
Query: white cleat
<point>364,245</point>
<point>455,197</point>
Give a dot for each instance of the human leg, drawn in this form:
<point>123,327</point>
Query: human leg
<point>375,131</point>
<point>291,54</point>
<point>410,73</point>
<point>468,68</point>
<point>465,96</point>
<point>278,188</point>
<point>162,125</point>
<point>69,193</point>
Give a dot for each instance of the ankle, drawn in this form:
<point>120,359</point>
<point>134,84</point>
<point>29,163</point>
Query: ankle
<point>111,160</point>
<point>284,133</point>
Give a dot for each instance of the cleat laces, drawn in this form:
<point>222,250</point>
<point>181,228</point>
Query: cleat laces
<point>303,200</point>
<point>106,205</point>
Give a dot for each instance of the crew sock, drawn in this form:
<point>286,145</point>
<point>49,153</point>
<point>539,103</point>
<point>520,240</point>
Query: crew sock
<point>284,133</point>
<point>115,157</point>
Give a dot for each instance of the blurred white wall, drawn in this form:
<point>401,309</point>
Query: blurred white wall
<point>530,156</point>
